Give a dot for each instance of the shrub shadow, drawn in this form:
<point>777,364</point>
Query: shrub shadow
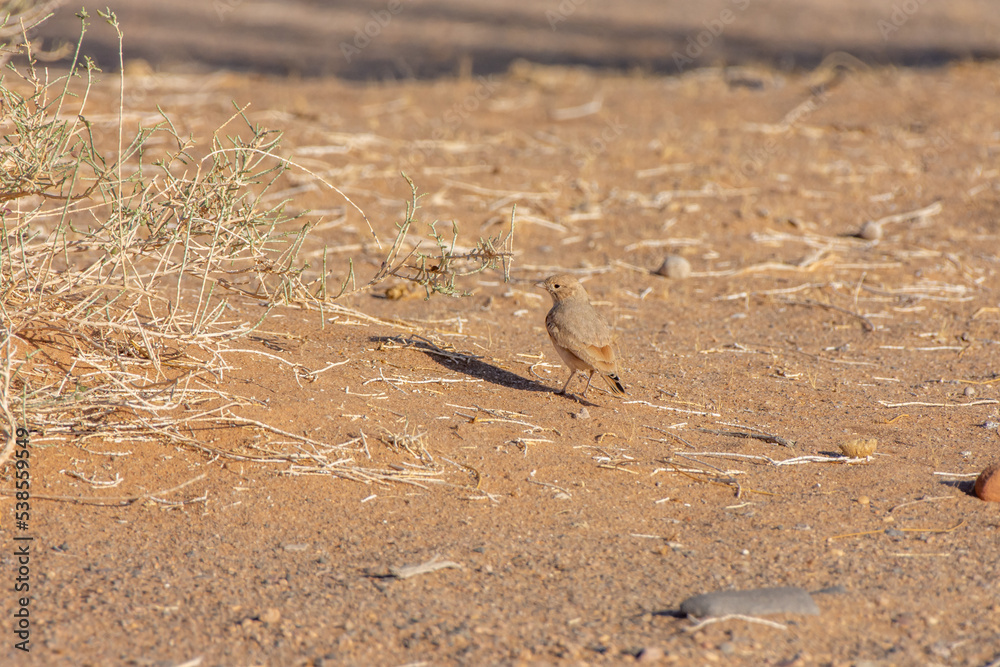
<point>312,38</point>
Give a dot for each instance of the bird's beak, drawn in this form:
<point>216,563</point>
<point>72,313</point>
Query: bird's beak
<point>540,284</point>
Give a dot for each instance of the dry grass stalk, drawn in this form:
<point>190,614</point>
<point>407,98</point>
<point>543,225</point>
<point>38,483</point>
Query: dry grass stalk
<point>433,565</point>
<point>751,432</point>
<point>121,501</point>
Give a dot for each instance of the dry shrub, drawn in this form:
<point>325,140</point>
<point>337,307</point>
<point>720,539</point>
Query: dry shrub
<point>116,275</point>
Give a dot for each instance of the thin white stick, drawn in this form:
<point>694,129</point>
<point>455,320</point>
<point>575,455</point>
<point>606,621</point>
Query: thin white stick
<point>739,617</point>
<point>985,401</point>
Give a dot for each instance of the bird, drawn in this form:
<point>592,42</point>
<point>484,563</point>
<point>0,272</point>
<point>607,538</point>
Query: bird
<point>579,333</point>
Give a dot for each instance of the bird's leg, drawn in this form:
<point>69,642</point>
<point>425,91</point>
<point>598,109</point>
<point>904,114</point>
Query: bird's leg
<point>572,372</point>
<point>589,380</point>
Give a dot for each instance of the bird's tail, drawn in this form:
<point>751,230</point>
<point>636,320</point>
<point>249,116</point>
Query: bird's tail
<point>616,385</point>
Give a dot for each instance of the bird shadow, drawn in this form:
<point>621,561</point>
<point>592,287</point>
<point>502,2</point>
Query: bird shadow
<point>468,364</point>
<point>968,487</point>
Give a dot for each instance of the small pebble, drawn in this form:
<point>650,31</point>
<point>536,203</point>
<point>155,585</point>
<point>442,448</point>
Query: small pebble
<point>864,500</point>
<point>756,602</point>
<point>870,231</point>
<point>988,484</point>
<point>969,392</point>
<point>674,266</point>
<point>271,616</point>
<point>651,654</point>
<point>582,414</point>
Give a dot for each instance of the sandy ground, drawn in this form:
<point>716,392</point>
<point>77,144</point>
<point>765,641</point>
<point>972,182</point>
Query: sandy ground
<point>580,525</point>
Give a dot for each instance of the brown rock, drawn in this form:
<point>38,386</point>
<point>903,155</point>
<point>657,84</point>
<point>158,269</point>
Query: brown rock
<point>859,448</point>
<point>988,484</point>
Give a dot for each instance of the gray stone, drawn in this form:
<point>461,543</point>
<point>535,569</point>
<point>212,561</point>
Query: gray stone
<point>870,231</point>
<point>674,266</point>
<point>756,602</point>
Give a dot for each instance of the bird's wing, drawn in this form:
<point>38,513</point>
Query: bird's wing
<point>589,339</point>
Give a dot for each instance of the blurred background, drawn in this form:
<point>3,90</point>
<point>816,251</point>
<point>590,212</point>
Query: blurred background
<point>402,39</point>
